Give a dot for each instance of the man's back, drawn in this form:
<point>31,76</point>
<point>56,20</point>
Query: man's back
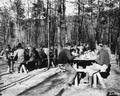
<point>104,57</point>
<point>65,57</point>
<point>20,55</point>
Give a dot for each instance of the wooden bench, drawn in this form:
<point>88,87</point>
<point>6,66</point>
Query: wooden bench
<point>23,69</point>
<point>92,76</point>
<point>100,79</point>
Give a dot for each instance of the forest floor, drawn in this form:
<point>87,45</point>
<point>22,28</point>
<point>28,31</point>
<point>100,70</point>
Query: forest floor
<point>52,83</point>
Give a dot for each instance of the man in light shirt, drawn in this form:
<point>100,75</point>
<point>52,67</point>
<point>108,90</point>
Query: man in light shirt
<point>102,64</point>
<point>102,61</point>
<point>19,53</point>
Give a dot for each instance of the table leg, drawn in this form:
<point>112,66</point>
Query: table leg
<point>90,81</point>
<point>94,81</point>
<point>24,69</point>
<point>79,77</point>
<point>76,80</point>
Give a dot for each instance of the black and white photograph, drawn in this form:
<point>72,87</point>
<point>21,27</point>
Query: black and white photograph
<point>59,47</point>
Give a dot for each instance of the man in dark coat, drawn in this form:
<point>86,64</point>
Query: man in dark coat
<point>43,58</point>
<point>65,58</point>
<point>33,61</point>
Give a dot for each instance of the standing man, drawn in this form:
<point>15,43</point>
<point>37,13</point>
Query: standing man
<point>65,58</point>
<point>8,53</point>
<point>19,53</point>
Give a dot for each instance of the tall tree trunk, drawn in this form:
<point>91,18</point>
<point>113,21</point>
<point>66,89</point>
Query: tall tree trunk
<point>59,27</point>
<point>79,26</point>
<point>48,32</point>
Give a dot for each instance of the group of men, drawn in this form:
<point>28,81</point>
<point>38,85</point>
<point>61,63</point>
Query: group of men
<point>65,58</point>
<point>29,57</point>
<point>102,62</point>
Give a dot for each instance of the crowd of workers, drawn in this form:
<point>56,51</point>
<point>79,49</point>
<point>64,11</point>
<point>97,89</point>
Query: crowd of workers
<point>30,57</point>
<point>33,58</point>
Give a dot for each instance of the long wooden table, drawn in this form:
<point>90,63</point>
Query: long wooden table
<point>84,62</point>
<point>95,73</point>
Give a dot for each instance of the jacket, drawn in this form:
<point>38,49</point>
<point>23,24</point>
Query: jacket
<point>65,57</point>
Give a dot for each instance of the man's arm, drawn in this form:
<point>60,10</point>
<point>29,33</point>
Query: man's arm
<point>2,52</point>
<point>99,59</point>
<point>15,53</point>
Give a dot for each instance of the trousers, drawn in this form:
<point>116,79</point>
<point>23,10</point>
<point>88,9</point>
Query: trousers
<point>71,73</point>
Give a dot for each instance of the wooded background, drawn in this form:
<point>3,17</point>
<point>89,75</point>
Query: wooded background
<point>95,20</point>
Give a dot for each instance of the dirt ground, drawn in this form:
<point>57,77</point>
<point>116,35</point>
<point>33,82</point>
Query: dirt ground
<point>54,85</point>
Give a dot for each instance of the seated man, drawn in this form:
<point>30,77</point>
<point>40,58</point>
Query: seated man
<point>103,60</point>
<point>32,62</point>
<point>65,59</point>
<point>43,58</point>
<point>102,64</point>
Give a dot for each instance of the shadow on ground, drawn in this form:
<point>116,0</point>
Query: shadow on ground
<point>45,86</point>
<point>60,92</point>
